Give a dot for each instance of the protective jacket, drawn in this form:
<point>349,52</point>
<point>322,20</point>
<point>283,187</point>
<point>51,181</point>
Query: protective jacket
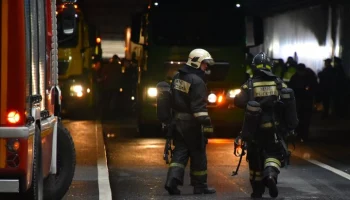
<point>189,92</point>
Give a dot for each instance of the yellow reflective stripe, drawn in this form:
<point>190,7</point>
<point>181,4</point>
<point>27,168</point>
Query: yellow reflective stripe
<point>256,178</point>
<point>257,173</point>
<point>208,129</point>
<point>272,164</point>
<point>199,173</point>
<point>182,85</point>
<point>200,114</point>
<point>286,96</point>
<point>273,160</point>
<point>261,66</point>
<point>268,125</point>
<point>265,91</point>
<point>177,165</point>
<point>245,86</point>
<point>264,83</point>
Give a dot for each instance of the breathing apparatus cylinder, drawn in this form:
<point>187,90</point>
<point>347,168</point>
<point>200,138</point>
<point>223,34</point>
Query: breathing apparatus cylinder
<point>164,114</point>
<point>290,112</point>
<point>251,121</point>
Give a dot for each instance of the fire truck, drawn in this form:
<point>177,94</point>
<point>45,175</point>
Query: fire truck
<point>76,51</point>
<point>37,154</point>
<point>166,38</point>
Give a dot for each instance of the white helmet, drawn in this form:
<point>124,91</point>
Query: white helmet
<point>197,56</point>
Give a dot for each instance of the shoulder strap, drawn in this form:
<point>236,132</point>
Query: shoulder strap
<point>250,89</point>
<point>279,86</point>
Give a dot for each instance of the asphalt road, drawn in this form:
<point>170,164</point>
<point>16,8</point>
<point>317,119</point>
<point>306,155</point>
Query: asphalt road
<point>114,162</point>
<point>318,170</point>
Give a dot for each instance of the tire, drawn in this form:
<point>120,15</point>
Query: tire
<point>57,185</point>
<point>36,190</point>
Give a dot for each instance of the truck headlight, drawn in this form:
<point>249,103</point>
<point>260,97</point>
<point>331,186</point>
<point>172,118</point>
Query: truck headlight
<point>212,98</point>
<point>152,92</point>
<point>234,93</point>
<point>77,90</point>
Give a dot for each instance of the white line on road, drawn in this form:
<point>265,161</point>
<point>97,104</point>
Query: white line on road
<point>332,169</point>
<point>104,188</point>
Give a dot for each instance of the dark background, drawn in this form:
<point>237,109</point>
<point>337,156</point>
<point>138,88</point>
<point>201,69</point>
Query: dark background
<point>112,16</point>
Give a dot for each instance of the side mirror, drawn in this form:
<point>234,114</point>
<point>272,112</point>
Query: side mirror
<point>68,19</point>
<point>254,31</point>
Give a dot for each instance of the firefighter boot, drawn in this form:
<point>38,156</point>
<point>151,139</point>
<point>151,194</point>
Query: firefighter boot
<point>258,189</point>
<point>203,189</point>
<point>171,187</point>
<point>271,184</point>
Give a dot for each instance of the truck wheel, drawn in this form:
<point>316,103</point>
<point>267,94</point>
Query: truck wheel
<point>59,183</point>
<point>36,190</point>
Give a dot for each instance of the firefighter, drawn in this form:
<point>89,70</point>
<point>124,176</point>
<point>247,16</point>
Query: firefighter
<point>266,150</point>
<point>189,95</point>
<point>290,69</point>
<point>248,62</point>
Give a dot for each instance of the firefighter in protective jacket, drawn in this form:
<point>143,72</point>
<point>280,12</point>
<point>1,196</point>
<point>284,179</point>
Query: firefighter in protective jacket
<point>262,97</point>
<point>190,114</point>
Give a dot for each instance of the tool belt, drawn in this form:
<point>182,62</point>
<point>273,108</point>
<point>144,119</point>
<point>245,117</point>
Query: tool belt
<point>183,116</point>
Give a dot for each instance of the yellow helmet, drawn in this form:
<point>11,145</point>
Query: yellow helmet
<point>197,56</point>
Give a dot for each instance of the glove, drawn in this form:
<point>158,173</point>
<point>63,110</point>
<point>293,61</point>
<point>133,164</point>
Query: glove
<point>239,146</point>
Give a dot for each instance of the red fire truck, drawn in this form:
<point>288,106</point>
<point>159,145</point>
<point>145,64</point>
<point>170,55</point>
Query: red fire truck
<point>37,155</point>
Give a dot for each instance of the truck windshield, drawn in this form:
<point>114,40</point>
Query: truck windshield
<point>196,24</point>
<point>64,40</point>
<point>218,72</point>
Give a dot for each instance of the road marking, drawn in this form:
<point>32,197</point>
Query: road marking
<point>104,188</point>
<point>332,169</point>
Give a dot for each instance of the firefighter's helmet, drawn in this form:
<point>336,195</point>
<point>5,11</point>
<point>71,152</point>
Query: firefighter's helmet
<point>197,56</point>
<point>262,62</point>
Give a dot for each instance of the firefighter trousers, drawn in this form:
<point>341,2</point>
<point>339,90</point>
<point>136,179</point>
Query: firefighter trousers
<point>265,160</point>
<point>188,142</point>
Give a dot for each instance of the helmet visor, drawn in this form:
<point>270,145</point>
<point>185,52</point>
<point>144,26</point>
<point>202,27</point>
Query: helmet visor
<point>209,61</point>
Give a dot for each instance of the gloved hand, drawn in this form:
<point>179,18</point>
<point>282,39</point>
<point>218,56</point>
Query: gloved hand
<point>239,146</point>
